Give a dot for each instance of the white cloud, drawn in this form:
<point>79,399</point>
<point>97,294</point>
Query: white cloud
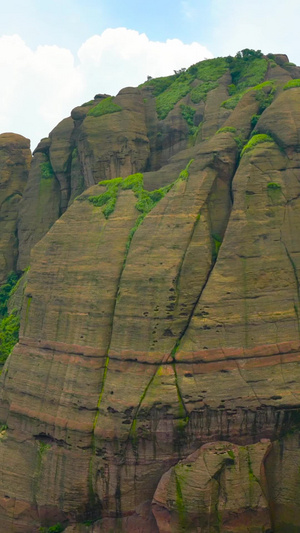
<point>269,25</point>
<point>40,87</point>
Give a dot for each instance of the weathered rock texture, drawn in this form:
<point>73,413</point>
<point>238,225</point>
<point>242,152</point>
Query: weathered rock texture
<point>155,385</point>
<point>15,157</point>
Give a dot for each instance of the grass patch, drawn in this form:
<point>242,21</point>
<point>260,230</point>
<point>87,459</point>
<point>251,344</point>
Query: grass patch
<point>188,114</point>
<point>210,69</point>
<point>247,68</point>
<point>105,107</point>
<point>91,102</point>
<point>5,292</point>
<point>166,101</point>
<point>226,129</point>
<point>200,93</point>
<point>146,200</point>
<point>217,241</point>
<point>273,186</point>
<point>232,102</point>
<point>108,198</point>
<point>47,171</point>
<point>179,85</point>
<point>184,174</point>
<point>9,324</point>
<point>291,84</point>
<point>254,120</point>
<point>9,335</point>
<point>265,98</point>
<point>159,85</point>
<point>256,139</point>
<point>240,142</point>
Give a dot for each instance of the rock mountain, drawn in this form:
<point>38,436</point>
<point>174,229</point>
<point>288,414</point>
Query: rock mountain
<point>150,272</point>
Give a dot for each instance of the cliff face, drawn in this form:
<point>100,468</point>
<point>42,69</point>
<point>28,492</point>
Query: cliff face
<point>15,157</point>
<point>155,385</point>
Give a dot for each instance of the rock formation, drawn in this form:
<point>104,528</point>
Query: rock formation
<point>155,384</point>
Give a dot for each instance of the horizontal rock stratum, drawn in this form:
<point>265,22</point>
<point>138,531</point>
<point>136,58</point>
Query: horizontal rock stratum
<point>155,386</point>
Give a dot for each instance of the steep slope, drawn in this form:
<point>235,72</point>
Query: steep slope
<point>15,158</point>
<point>155,385</point>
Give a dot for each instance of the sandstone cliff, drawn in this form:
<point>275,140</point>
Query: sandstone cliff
<point>155,384</point>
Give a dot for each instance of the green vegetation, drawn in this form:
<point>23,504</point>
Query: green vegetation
<point>240,142</point>
<point>291,84</point>
<point>184,174</point>
<point>46,170</point>
<point>210,69</point>
<point>107,198</point>
<point>172,89</point>
<point>9,324</point>
<point>254,120</point>
<point>200,92</point>
<point>159,84</point>
<point>5,292</point>
<point>231,454</point>
<point>256,139</point>
<point>43,448</point>
<point>226,129</point>
<point>188,114</point>
<point>167,99</point>
<point>265,98</point>
<point>272,185</point>
<point>180,505</point>
<point>9,335</point>
<point>57,528</point>
<point>217,241</point>
<point>105,107</point>
<point>247,68</point>
<point>146,200</point>
<point>232,102</point>
<point>91,102</point>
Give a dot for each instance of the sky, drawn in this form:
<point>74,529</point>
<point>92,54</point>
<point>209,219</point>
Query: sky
<point>57,54</point>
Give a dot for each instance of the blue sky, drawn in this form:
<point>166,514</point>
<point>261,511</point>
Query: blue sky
<point>56,54</point>
<point>70,22</point>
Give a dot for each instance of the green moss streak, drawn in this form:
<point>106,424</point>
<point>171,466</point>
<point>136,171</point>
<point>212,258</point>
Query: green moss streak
<point>183,414</point>
<point>101,393</point>
<point>105,107</point>
<point>184,174</point>
<point>207,71</point>
<point>217,241</point>
<point>291,84</point>
<point>159,85</point>
<point>272,185</point>
<point>180,506</point>
<point>167,100</point>
<point>6,291</point>
<point>43,448</point>
<point>264,98</point>
<point>47,171</point>
<point>9,324</point>
<point>256,139</point>
<point>201,91</point>
<point>132,431</point>
<point>226,129</point>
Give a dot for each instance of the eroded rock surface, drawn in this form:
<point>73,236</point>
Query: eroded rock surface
<point>15,157</point>
<point>155,385</point>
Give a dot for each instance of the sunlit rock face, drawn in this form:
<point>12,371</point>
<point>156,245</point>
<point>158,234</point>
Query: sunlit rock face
<point>155,385</point>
